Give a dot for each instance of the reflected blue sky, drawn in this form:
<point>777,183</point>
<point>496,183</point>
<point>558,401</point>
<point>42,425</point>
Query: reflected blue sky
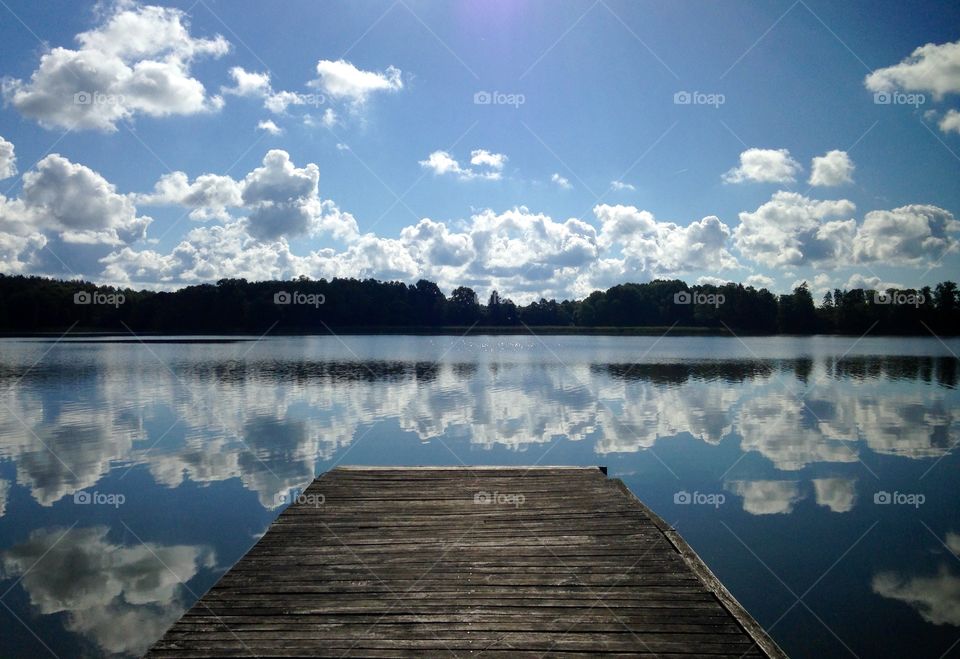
<point>799,440</point>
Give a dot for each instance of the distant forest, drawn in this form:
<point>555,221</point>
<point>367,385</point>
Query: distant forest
<point>37,304</point>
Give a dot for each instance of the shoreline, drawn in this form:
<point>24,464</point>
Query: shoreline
<point>446,331</point>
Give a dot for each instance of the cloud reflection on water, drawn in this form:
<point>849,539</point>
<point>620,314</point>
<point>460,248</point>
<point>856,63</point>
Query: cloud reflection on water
<point>272,423</point>
<point>121,597</point>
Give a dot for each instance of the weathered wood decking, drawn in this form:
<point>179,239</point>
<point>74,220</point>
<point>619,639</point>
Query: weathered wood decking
<point>411,561</point>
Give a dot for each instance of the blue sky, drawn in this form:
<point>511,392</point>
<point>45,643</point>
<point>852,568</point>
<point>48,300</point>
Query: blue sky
<point>371,113</point>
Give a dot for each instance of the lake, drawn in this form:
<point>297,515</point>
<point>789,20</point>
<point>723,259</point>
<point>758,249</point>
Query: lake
<point>816,476</point>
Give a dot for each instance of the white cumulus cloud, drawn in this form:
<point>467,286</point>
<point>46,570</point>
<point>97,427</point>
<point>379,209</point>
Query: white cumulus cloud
<point>248,83</point>
<point>257,85</point>
<point>278,200</point>
<point>764,166</point>
<point>483,158</point>
<point>68,219</point>
<point>344,81</point>
<point>282,198</point>
<point>209,195</point>
<point>832,168</point>
<point>650,246</point>
<point>759,281</point>
<point>909,235</point>
<point>78,203</point>
<point>708,280</point>
<point>269,126</point>
<point>793,230</point>
<point>950,122</point>
<point>488,165</point>
<point>137,62</point>
<point>869,283</point>
<point>933,68</point>
<point>8,160</point>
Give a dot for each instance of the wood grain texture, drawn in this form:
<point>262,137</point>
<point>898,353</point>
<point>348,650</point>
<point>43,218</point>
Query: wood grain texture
<point>498,561</point>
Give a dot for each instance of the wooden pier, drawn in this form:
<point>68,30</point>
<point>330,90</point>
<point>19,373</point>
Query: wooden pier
<point>498,561</point>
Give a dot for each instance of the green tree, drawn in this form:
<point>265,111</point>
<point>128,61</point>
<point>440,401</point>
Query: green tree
<point>463,307</point>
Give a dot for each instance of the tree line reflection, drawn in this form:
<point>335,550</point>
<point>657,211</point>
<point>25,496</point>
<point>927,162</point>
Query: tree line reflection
<point>939,370</point>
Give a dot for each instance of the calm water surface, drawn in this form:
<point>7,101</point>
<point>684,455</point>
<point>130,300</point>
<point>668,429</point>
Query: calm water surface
<point>817,477</point>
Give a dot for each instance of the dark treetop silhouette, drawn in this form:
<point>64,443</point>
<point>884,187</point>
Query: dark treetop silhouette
<point>37,304</point>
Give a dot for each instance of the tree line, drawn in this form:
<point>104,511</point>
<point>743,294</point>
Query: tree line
<point>38,304</point>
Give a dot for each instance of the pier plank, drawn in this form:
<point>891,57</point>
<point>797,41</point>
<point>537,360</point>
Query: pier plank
<point>499,561</point>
